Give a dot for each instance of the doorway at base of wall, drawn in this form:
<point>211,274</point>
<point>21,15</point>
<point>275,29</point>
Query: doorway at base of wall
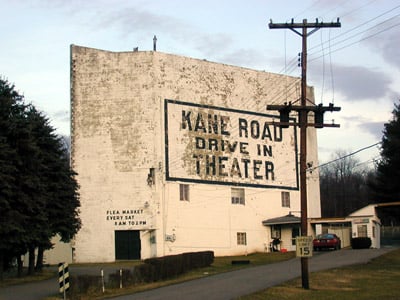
<point>127,244</point>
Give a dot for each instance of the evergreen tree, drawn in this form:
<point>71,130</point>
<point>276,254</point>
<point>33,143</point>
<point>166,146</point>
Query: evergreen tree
<point>12,231</point>
<point>38,192</point>
<point>386,183</point>
<point>60,193</point>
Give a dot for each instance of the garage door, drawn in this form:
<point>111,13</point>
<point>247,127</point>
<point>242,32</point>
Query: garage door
<point>344,233</point>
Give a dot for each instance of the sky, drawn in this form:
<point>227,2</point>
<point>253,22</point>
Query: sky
<point>356,67</point>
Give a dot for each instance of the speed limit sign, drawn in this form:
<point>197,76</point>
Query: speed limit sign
<point>304,246</point>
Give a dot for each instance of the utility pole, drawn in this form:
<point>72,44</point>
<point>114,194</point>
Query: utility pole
<point>303,109</point>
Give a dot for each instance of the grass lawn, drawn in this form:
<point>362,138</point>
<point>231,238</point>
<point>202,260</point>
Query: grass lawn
<point>378,279</point>
<point>220,265</point>
<point>13,279</point>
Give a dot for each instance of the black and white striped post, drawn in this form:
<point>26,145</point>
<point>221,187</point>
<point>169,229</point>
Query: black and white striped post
<point>63,278</point>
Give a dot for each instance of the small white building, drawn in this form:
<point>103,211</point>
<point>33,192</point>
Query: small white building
<point>361,223</point>
<point>365,223</point>
<point>176,154</point>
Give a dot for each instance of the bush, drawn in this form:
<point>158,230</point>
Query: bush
<point>83,284</point>
<point>174,265</point>
<point>153,269</point>
<point>114,279</point>
<point>161,268</point>
<point>361,243</point>
<point>144,273</point>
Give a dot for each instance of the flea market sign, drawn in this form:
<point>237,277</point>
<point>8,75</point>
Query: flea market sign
<point>127,217</point>
<point>217,145</point>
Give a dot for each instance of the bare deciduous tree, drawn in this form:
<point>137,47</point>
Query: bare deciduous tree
<point>343,185</point>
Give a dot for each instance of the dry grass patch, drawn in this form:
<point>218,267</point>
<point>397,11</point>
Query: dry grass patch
<point>377,279</point>
<point>38,276</point>
<point>220,265</point>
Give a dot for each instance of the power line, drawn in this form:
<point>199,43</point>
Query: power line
<point>291,66</point>
<point>372,160</point>
<point>357,9</point>
<point>331,45</point>
<point>343,157</point>
<point>284,69</point>
<point>360,25</point>
<point>360,40</point>
<point>308,8</point>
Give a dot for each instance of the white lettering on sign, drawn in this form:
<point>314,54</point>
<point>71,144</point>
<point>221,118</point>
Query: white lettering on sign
<point>209,144</point>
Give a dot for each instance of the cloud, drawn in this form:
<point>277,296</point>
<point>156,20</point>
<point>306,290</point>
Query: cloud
<point>249,58</point>
<point>359,83</point>
<point>126,18</point>
<point>385,39</point>
<point>140,22</point>
<point>129,21</point>
<point>363,124</point>
<point>374,128</point>
<point>211,44</point>
<point>390,50</point>
<point>132,19</point>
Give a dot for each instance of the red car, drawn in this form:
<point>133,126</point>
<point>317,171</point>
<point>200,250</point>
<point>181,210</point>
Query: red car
<point>327,241</point>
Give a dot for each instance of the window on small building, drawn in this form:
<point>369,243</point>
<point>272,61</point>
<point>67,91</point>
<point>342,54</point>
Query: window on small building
<point>184,192</point>
<point>241,238</point>
<point>362,231</point>
<point>237,196</point>
<point>285,196</point>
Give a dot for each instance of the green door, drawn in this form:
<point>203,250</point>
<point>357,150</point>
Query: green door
<point>127,244</point>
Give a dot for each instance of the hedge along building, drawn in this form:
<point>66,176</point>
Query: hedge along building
<point>176,154</point>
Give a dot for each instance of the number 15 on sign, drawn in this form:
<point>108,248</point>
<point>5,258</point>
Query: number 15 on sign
<point>304,246</point>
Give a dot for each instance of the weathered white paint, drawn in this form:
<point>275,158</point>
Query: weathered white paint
<point>61,252</point>
<point>119,152</point>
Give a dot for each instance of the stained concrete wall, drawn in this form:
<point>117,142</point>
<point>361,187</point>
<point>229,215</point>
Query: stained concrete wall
<point>118,124</point>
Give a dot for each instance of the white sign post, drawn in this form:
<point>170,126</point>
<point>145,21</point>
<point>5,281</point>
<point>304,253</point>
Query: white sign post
<point>304,246</point>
